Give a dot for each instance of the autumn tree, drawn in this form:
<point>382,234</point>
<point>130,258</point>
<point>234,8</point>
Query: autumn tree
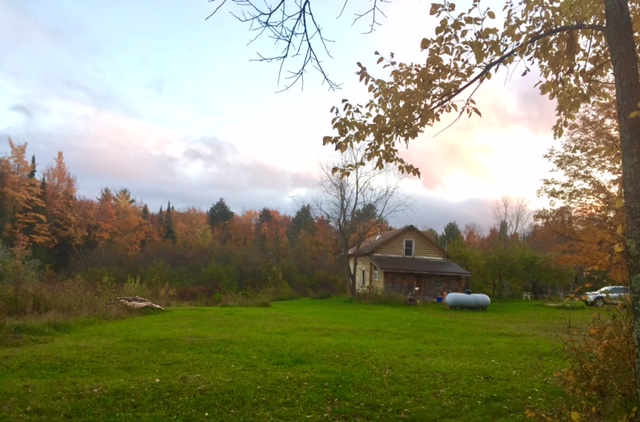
<point>540,272</point>
<point>106,217</point>
<point>22,198</point>
<point>131,230</point>
<point>191,229</point>
<point>274,244</point>
<point>60,202</point>
<point>355,203</point>
<point>586,213</point>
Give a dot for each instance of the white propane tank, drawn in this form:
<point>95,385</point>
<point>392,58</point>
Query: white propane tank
<point>467,300</point>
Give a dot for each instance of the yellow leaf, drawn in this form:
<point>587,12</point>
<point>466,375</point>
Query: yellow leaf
<point>618,248</point>
<point>491,14</point>
<point>620,229</point>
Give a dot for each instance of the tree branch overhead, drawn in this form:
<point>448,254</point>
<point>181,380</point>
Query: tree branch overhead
<point>295,31</point>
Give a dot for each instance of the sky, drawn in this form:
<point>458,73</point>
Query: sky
<point>152,97</point>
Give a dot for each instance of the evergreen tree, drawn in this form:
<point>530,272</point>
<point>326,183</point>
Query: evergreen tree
<point>219,213</point>
<point>169,230</point>
<point>451,234</point>
<point>145,212</point>
<point>265,217</point>
<point>302,221</point>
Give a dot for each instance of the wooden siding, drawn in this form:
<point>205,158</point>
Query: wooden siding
<point>422,248</point>
<point>429,286</point>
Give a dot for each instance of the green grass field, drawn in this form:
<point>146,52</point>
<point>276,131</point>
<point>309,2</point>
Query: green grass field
<point>296,360</point>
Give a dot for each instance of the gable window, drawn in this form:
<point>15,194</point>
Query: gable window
<point>408,247</point>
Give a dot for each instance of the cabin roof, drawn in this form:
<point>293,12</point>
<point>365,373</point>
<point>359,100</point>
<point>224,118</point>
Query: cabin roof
<point>370,244</point>
<point>417,265</point>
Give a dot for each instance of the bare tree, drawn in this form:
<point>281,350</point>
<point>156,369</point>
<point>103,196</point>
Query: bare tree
<point>512,214</point>
<point>355,203</point>
<point>293,27</point>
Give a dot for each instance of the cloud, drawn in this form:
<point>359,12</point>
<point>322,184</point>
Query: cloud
<point>22,110</point>
<point>439,159</point>
<point>20,29</point>
<point>159,165</point>
<point>431,212</point>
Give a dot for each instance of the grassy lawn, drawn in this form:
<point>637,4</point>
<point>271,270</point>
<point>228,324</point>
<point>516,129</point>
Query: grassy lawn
<point>296,360</point>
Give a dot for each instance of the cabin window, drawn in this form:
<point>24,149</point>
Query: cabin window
<point>408,247</point>
<point>363,279</point>
<point>439,284</point>
<point>375,275</point>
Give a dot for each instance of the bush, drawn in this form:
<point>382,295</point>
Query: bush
<point>601,378</point>
<point>133,287</point>
<point>254,299</point>
<point>382,298</point>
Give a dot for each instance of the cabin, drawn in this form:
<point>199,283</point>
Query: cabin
<point>404,261</point>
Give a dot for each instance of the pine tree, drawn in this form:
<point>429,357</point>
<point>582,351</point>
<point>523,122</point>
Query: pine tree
<point>169,230</point>
<point>302,221</point>
<point>219,213</point>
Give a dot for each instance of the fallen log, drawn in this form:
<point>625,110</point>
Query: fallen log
<point>138,302</point>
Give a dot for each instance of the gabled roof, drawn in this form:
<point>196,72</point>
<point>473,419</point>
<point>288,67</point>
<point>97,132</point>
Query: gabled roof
<point>372,243</point>
<point>398,264</point>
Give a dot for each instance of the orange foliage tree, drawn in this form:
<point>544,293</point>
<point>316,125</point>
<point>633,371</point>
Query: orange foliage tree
<point>23,207</point>
<point>60,202</point>
<point>586,217</point>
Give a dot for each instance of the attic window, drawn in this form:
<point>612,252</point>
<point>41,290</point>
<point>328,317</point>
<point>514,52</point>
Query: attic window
<point>408,247</point>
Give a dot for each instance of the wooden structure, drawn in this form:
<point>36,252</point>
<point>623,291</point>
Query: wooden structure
<point>404,261</point>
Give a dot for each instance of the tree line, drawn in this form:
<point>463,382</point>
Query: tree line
<point>206,253</point>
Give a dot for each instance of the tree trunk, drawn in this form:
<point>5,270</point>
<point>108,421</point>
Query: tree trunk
<point>619,33</point>
<point>351,287</point>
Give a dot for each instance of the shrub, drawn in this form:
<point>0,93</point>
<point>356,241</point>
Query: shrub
<point>18,276</point>
<point>245,298</point>
<point>198,295</point>
<point>601,379</point>
<point>383,298</point>
<point>133,287</point>
<point>323,280</point>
